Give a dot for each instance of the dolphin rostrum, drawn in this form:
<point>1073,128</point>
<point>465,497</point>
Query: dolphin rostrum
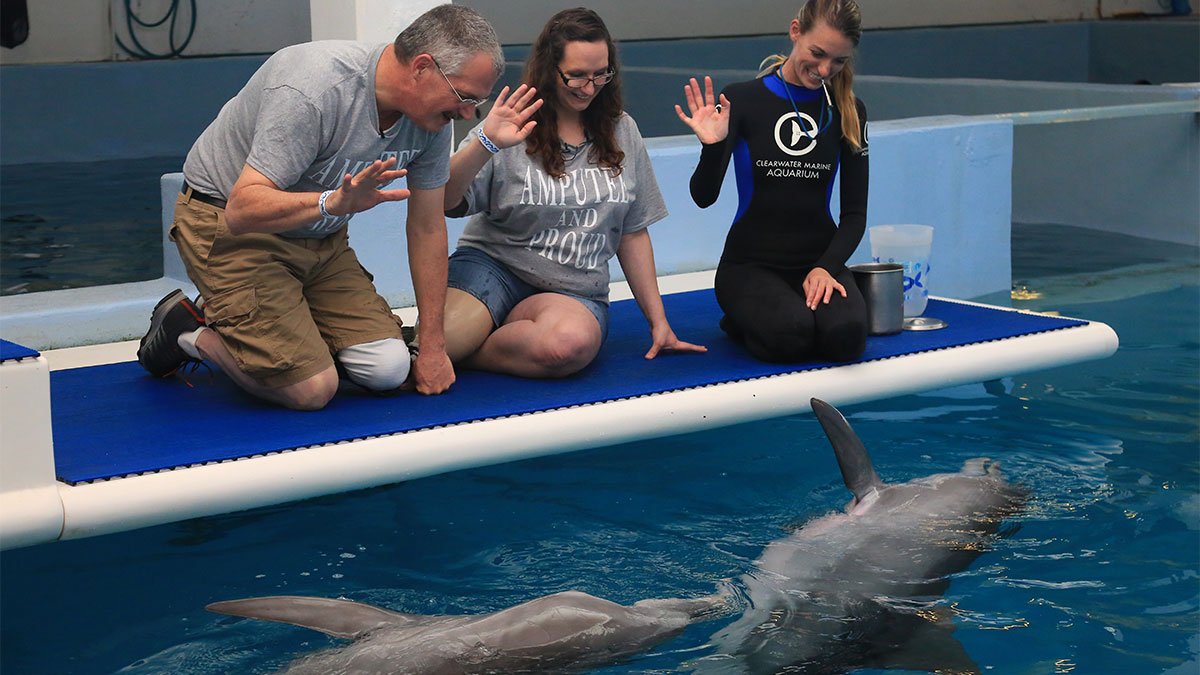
<point>847,590</point>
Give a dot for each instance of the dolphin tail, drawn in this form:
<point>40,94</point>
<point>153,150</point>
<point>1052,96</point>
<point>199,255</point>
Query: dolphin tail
<point>338,618</point>
<point>857,470</point>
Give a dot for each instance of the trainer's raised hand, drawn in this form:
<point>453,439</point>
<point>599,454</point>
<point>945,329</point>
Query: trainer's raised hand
<point>708,118</point>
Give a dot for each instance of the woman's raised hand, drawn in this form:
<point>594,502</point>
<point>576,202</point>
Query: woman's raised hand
<point>709,119</point>
<point>508,122</point>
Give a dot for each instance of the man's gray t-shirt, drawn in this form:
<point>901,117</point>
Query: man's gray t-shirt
<point>558,234</point>
<point>307,118</point>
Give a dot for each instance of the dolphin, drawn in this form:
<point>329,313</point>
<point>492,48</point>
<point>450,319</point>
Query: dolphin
<point>847,590</point>
<point>564,632</point>
<point>859,588</point>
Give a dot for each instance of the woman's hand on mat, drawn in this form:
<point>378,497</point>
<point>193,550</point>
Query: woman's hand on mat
<point>709,119</point>
<point>432,372</point>
<point>508,122</point>
<point>666,342</point>
<point>819,286</point>
<point>364,190</point>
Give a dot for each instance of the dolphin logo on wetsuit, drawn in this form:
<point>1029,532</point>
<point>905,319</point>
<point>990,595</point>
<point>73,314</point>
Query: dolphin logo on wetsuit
<point>799,123</point>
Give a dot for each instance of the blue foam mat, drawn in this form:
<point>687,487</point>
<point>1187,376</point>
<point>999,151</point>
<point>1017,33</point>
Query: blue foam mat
<point>114,420</point>
<point>11,351</point>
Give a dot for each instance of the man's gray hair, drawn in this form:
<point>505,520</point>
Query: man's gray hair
<point>451,35</point>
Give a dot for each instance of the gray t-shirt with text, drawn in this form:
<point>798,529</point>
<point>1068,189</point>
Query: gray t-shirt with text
<point>558,234</point>
<point>307,118</point>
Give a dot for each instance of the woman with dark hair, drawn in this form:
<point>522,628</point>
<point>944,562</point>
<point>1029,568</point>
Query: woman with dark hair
<point>555,187</point>
<point>782,280</point>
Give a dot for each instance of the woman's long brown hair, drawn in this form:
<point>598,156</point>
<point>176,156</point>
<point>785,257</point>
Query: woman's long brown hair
<point>599,119</point>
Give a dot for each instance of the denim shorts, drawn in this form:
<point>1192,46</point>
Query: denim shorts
<point>493,284</point>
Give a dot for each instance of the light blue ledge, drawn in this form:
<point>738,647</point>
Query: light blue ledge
<point>954,173</point>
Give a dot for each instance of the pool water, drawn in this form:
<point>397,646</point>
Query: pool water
<point>75,224</point>
<point>1100,576</point>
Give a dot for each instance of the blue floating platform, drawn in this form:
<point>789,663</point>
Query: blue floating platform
<point>130,451</point>
<point>114,420</point>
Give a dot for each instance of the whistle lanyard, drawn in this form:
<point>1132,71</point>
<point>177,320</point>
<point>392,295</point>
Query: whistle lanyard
<point>826,115</point>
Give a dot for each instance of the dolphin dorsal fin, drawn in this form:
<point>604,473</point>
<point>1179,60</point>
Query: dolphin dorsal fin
<point>338,618</point>
<point>857,470</point>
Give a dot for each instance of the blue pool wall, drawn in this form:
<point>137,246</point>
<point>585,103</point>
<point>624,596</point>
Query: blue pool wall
<point>952,173</point>
<point>157,108</point>
<point>101,111</point>
<point>1135,172</point>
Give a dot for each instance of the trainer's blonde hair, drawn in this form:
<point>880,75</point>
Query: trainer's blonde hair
<point>844,17</point>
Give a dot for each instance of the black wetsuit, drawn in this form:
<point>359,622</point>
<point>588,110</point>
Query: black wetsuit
<point>783,227</point>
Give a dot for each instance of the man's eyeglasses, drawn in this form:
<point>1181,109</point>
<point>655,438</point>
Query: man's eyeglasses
<point>473,101</point>
<point>578,81</point>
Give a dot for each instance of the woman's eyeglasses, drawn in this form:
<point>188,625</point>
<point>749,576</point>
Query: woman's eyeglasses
<point>579,81</point>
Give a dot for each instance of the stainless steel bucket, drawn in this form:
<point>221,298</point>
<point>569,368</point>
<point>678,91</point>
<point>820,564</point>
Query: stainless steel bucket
<point>882,286</point>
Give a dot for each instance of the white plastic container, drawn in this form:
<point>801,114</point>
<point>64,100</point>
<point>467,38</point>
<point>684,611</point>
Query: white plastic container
<point>910,246</point>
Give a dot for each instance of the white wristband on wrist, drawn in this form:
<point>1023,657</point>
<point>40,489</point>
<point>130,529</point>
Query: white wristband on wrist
<point>321,204</point>
<point>487,142</point>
